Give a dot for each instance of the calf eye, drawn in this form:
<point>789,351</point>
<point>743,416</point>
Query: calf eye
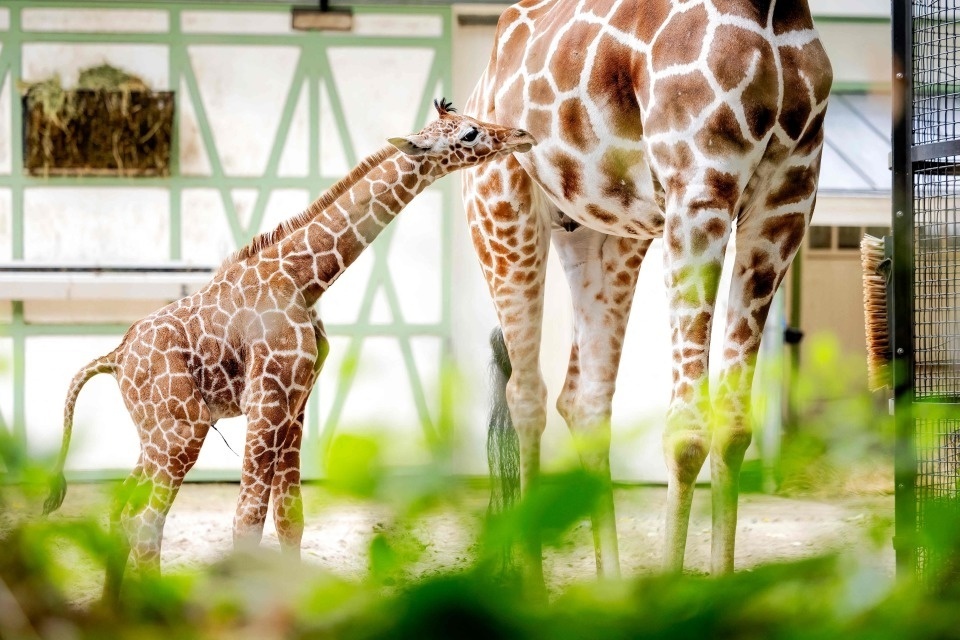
<point>470,136</point>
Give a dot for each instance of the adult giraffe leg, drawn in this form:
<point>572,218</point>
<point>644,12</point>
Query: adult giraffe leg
<point>766,244</point>
<point>695,239</point>
<point>602,273</point>
<point>510,235</point>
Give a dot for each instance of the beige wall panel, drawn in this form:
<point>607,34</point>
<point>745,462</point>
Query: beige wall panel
<point>236,22</point>
<point>96,20</point>
<point>4,18</point>
<point>294,158</point>
<point>282,205</point>
<point>333,156</point>
<point>381,374</point>
<point>243,90</point>
<point>103,436</point>
<point>88,311</point>
<point>386,25</point>
<point>43,60</point>
<point>859,53</point>
<point>341,304</point>
<point>407,70</point>
<point>833,303</point>
<point>850,8</point>
<point>205,236</point>
<point>414,259</point>
<point>194,159</point>
<point>97,225</point>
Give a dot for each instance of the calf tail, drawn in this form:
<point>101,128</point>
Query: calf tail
<point>58,483</point>
<point>503,446</point>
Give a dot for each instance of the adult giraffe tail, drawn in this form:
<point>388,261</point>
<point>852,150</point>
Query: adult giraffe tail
<point>58,484</point>
<point>503,446</point>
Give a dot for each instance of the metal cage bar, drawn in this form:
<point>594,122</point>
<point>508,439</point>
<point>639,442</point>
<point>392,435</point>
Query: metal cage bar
<point>926,284</point>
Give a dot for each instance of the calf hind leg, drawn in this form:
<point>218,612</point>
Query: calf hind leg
<point>285,492</point>
<point>150,493</point>
<point>119,552</point>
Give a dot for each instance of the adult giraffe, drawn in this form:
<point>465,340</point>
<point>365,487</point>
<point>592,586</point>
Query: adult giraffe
<point>691,120</point>
<point>250,343</point>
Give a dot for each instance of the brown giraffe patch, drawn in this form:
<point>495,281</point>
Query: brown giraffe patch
<point>676,43</point>
<point>540,92</point>
<point>570,172</point>
<point>612,88</point>
<point>699,241</point>
<point>380,212</point>
<point>616,166</point>
<point>510,57</point>
<point>791,16</point>
<point>601,214</point>
<point>368,228</point>
<point>762,280</point>
<point>575,126</point>
<point>503,211</point>
<point>722,136</point>
<point>759,96</point>
<point>722,192</point>
<point>753,10</point>
<point>512,98</point>
<point>679,100</point>
<point>693,369</point>
<point>697,328</point>
<point>786,231</point>
<point>673,163</point>
<point>801,66</point>
<point>716,228</point>
<point>642,23</point>
<point>568,61</point>
<point>674,240</point>
<point>540,122</point>
<point>812,136</point>
<point>797,184</point>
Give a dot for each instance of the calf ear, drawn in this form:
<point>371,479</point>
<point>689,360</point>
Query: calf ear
<point>408,145</point>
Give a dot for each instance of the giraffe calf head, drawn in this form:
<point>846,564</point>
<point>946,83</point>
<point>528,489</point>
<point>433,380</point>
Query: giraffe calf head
<point>454,141</point>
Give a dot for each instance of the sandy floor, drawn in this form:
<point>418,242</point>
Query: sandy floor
<point>772,529</point>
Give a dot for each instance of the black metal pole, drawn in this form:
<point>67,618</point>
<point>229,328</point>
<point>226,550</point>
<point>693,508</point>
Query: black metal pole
<point>902,329</point>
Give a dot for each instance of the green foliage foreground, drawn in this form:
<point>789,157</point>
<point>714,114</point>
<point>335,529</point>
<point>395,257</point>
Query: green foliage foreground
<point>265,595</point>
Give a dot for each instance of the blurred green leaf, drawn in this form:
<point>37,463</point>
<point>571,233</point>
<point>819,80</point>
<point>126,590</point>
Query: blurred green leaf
<point>354,465</point>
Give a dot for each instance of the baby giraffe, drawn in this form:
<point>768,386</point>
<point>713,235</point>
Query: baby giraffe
<point>249,342</point>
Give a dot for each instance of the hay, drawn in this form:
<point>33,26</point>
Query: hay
<point>111,124</point>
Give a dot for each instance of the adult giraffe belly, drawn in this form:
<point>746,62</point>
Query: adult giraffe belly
<point>611,190</point>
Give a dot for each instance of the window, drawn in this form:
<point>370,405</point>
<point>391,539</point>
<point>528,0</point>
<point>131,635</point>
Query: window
<point>822,239</point>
